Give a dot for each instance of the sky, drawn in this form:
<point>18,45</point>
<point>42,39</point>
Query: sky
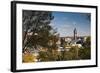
<point>65,22</point>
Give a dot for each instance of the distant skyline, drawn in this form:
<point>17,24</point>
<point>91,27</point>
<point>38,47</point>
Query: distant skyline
<point>65,22</point>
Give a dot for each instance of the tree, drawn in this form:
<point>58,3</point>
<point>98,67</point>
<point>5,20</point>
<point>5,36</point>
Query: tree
<point>87,43</point>
<point>36,30</point>
<point>85,52</point>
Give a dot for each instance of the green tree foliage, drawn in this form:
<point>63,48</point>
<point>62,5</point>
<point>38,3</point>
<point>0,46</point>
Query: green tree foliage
<point>85,52</point>
<point>36,23</point>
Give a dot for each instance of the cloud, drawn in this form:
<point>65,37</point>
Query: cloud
<point>64,29</point>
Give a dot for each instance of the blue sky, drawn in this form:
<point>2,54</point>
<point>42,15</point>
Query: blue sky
<point>65,22</point>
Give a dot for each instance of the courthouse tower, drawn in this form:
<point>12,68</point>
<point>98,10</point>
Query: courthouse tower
<point>75,33</point>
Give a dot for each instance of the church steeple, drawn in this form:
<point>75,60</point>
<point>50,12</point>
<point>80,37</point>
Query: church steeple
<point>75,33</point>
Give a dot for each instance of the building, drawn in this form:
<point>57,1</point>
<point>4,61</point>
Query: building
<point>74,40</point>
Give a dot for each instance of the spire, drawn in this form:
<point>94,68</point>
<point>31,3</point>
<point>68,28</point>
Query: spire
<point>75,33</point>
